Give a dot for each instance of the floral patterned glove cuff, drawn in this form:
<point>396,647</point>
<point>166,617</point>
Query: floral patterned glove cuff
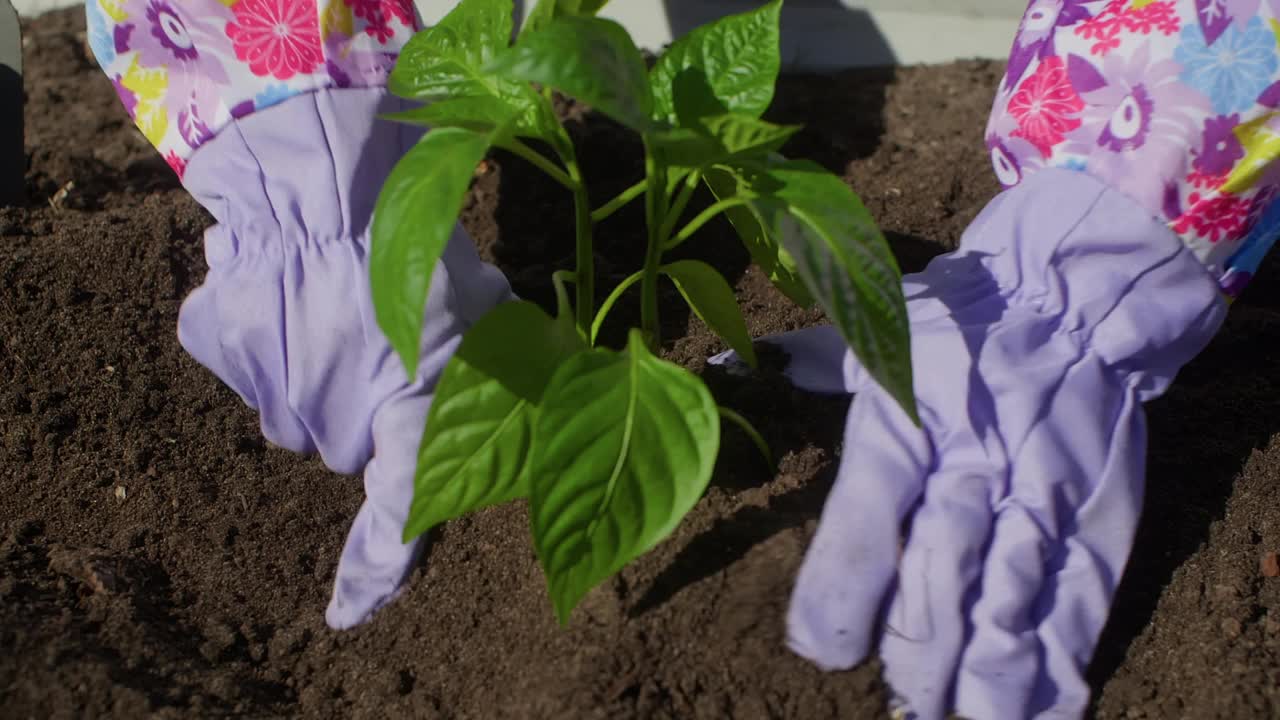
<point>184,69</point>
<point>1175,103</point>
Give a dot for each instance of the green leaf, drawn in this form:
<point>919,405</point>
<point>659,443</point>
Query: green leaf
<point>710,296</point>
<point>684,148</point>
<point>773,259</point>
<point>520,111</point>
<point>624,445</point>
<point>738,55</point>
<point>845,263</point>
<point>694,98</point>
<point>547,10</point>
<point>708,132</point>
<point>520,346</point>
<point>591,59</point>
<point>475,449</point>
<point>415,215</point>
<point>444,65</point>
<point>718,138</point>
<point>743,134</point>
<point>480,113</point>
<point>446,60</point>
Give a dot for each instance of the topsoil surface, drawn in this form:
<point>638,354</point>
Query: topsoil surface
<point>158,559</point>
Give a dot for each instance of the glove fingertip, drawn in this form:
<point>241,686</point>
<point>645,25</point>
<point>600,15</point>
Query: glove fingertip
<point>811,636</point>
<point>732,363</point>
<point>346,612</point>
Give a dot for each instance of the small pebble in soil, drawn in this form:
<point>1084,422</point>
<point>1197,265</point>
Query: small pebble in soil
<point>1270,565</point>
<point>287,641</point>
<point>219,639</point>
<point>121,492</point>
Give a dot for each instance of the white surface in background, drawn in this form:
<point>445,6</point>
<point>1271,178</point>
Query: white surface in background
<point>917,31</point>
<point>822,34</point>
<point>35,7</point>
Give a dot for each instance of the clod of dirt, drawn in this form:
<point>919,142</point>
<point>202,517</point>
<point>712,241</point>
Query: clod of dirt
<point>99,572</point>
<point>1270,565</point>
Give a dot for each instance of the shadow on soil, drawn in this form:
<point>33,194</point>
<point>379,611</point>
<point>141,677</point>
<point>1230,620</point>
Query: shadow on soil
<point>1224,405</point>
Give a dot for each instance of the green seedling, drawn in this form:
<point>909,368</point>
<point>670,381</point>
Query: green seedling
<point>610,447</point>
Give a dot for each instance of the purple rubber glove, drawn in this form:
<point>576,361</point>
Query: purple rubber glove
<point>268,111</point>
<point>286,319</point>
<point>1015,506</point>
<point>1138,145</point>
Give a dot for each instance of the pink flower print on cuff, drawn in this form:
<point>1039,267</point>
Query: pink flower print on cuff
<point>277,37</point>
<point>185,68</point>
<point>1175,103</point>
<point>1127,20</point>
<point>1045,106</point>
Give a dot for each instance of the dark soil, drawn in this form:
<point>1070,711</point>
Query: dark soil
<point>158,559</point>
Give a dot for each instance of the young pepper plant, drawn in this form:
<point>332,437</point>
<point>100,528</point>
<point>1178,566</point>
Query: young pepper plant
<point>611,447</point>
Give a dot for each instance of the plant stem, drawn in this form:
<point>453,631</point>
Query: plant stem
<point>558,279</point>
<point>542,163</point>
<point>703,218</point>
<point>618,202</point>
<point>746,427</point>
<point>681,202</point>
<point>655,206</point>
<point>610,301</point>
<point>585,277</point>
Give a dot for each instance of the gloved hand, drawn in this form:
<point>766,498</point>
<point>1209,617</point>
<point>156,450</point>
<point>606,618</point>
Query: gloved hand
<point>1034,350</point>
<point>983,549</point>
<point>267,109</point>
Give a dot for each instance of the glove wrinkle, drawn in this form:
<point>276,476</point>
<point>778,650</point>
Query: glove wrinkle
<point>298,279</point>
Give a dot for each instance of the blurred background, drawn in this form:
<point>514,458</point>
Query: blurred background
<point>817,34</point>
